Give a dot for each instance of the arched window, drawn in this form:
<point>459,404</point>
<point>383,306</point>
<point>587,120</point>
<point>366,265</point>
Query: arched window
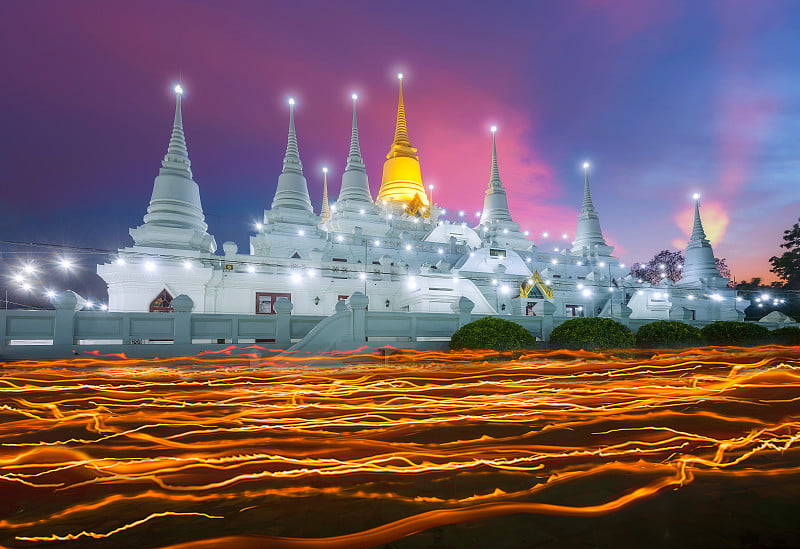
<point>162,303</point>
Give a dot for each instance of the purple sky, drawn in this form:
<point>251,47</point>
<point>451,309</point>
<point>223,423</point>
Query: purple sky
<point>663,98</point>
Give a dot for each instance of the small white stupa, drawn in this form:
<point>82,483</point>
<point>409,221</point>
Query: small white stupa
<point>589,239</point>
<point>175,215</point>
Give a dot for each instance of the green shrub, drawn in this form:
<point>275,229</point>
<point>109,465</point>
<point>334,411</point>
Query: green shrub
<point>492,333</point>
<point>725,332</point>
<point>790,335</point>
<point>591,333</point>
<point>668,334</point>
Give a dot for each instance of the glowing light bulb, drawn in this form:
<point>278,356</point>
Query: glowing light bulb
<point>362,276</point>
<point>585,165</point>
<point>696,196</point>
<point>354,97</point>
<point>120,261</point>
<point>324,170</point>
<point>178,89</point>
<point>187,264</point>
<point>301,232</point>
<point>399,75</point>
<point>150,266</point>
<point>259,226</point>
<point>494,129</point>
<point>291,101</point>
<point>251,269</point>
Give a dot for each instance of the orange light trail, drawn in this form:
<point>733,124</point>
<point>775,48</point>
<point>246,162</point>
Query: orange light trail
<point>95,448</point>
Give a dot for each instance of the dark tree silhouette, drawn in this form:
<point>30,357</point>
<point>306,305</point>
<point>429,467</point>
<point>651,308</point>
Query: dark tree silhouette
<point>787,265</point>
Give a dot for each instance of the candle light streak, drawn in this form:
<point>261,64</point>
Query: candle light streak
<point>111,443</point>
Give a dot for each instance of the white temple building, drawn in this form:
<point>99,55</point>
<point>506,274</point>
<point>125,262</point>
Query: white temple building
<point>395,248</point>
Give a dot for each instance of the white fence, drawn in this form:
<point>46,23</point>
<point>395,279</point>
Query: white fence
<point>66,331</point>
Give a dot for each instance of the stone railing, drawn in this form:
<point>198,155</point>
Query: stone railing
<point>67,331</point>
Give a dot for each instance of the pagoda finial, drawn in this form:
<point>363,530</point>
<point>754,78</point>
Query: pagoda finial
<point>494,176</point>
<point>326,206</point>
<point>697,229</point>
<point>401,146</point>
<point>354,159</point>
<point>587,205</point>
<point>176,161</point>
<point>291,160</point>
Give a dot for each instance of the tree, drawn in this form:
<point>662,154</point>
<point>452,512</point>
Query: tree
<point>667,263</point>
<point>787,266</point>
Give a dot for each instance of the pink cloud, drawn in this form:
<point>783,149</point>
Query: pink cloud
<point>715,222</point>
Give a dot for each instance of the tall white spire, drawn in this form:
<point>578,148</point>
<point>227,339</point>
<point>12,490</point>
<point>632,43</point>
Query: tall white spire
<point>326,206</point>
<point>588,205</point>
<point>175,217</point>
<point>699,264</point>
<point>495,200</point>
<point>176,161</point>
<point>355,195</point>
<point>291,196</point>
<point>291,160</point>
<point>494,173</point>
<point>354,160</point>
<point>588,234</point>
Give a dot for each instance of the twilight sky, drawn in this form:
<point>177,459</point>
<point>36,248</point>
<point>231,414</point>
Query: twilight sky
<point>663,98</point>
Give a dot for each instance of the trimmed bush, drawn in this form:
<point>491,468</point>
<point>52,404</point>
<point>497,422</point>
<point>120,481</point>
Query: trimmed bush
<point>492,333</point>
<point>724,332</point>
<point>668,334</point>
<point>790,335</point>
<point>591,333</point>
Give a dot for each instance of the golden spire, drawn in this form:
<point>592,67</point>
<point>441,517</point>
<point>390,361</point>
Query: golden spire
<point>401,146</point>
<point>402,177</point>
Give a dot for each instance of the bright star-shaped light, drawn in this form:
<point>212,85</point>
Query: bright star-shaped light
<point>585,165</point>
<point>696,196</point>
<point>324,170</point>
<point>178,89</point>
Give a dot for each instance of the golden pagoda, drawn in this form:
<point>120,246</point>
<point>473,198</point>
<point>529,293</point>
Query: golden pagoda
<point>402,177</point>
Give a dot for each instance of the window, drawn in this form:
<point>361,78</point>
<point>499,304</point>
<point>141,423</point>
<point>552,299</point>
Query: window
<point>162,303</point>
<point>573,310</point>
<point>339,259</point>
<point>343,297</point>
<point>265,302</point>
<point>497,252</point>
<point>529,308</point>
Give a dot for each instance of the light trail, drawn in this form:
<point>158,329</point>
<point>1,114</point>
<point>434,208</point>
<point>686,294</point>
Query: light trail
<point>439,438</point>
